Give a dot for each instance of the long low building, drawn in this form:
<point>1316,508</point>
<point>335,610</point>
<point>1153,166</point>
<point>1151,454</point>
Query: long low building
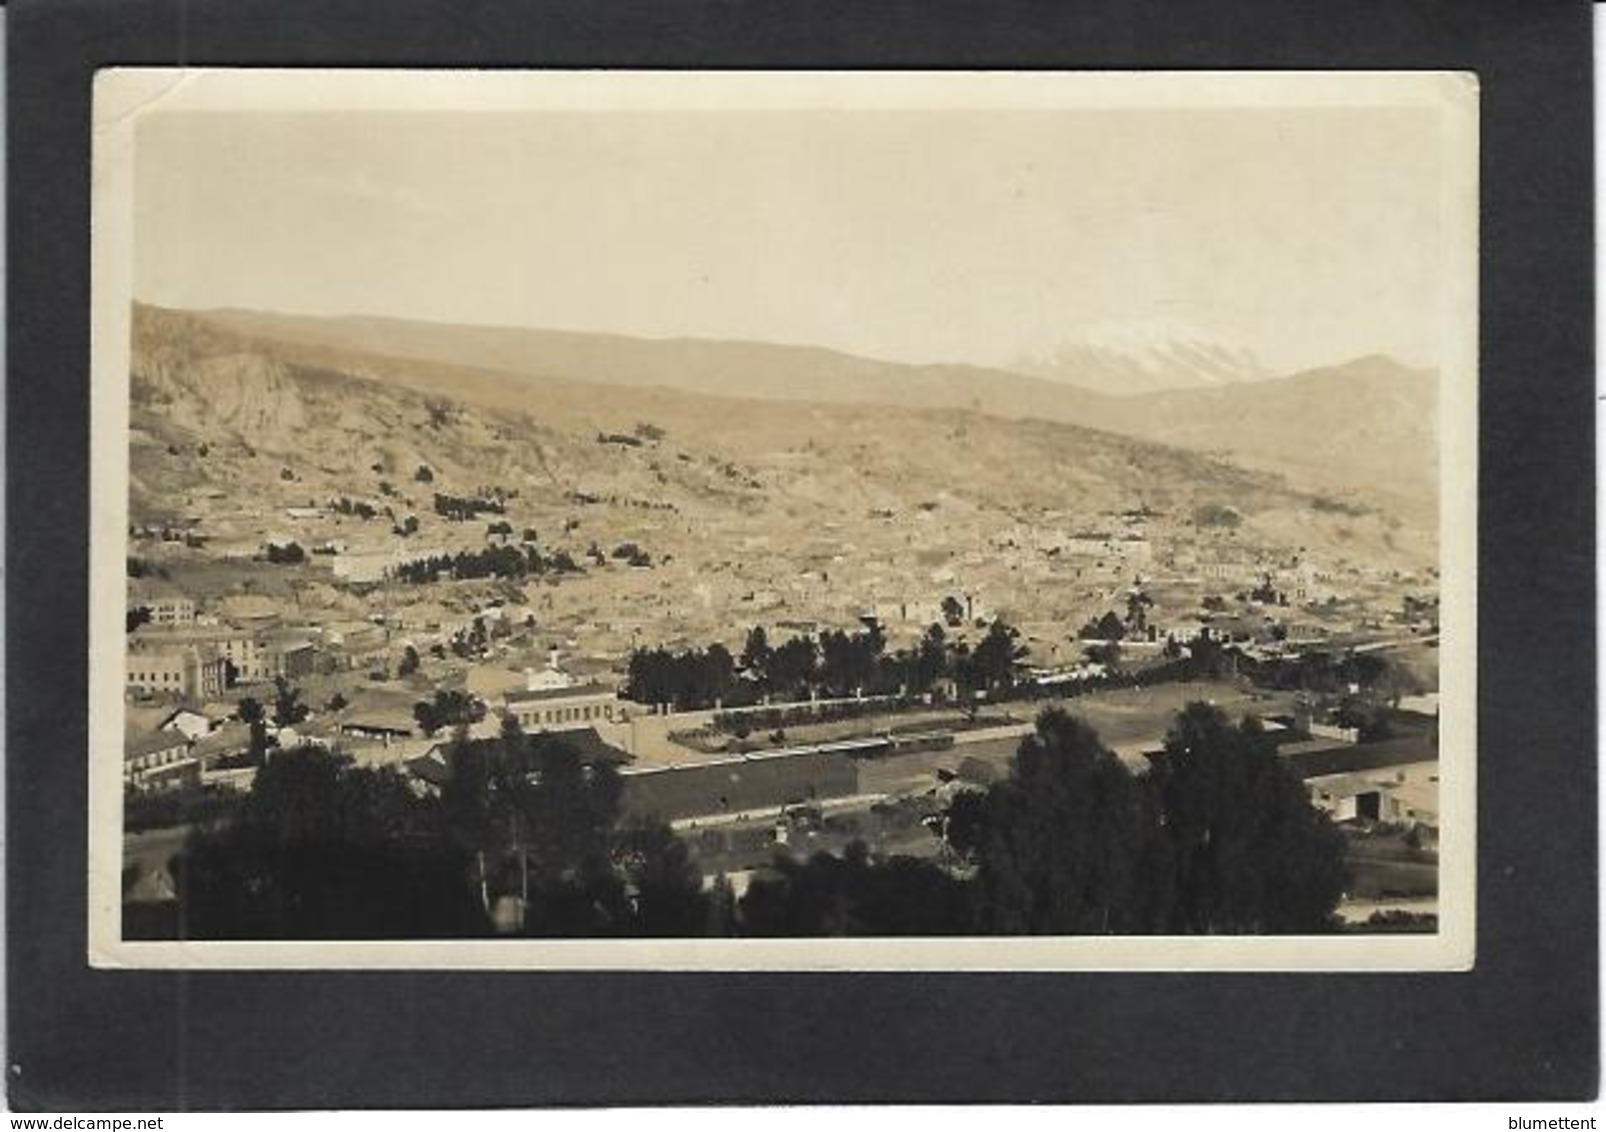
<point>158,760</point>
<point>742,782</point>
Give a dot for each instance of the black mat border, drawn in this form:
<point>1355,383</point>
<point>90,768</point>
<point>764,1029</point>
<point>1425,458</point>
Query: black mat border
<point>1522,1025</point>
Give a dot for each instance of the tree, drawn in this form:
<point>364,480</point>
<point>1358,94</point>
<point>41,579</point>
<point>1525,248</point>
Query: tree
<point>545,825</point>
<point>931,658</point>
<point>1239,847</point>
<point>408,663</point>
<point>720,903</point>
<point>848,663</point>
<point>854,895</point>
<point>423,474</point>
<point>1218,837</point>
<point>451,707</point>
<point>953,611</point>
<point>1059,844</point>
<point>756,654</point>
<point>1370,723</point>
<point>1103,652</point>
<point>992,662</point>
<point>1110,627</point>
<point>1138,605</point>
<point>139,615</point>
<point>253,716</point>
<point>322,849</point>
<point>665,886</point>
<point>792,665</point>
<point>288,710</point>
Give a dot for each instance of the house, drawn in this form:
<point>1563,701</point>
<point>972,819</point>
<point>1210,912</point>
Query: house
<point>1401,795</point>
<point>431,770</point>
<point>1318,758</point>
<point>189,723</point>
<point>193,671</point>
<point>377,714</point>
<point>244,655</point>
<point>288,653</point>
<point>158,760</point>
<point>164,602</point>
<point>561,708</point>
<point>552,700</point>
<point>357,643</point>
<point>228,741</point>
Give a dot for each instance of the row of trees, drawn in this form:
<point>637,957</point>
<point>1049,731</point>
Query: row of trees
<point>491,562</point>
<point>461,508</point>
<point>1333,674</point>
<point>357,507</point>
<point>834,664</point>
<point>1217,838</point>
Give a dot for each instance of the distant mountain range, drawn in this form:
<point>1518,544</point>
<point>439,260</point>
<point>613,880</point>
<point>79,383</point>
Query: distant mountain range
<point>1127,359</point>
<point>1367,426</point>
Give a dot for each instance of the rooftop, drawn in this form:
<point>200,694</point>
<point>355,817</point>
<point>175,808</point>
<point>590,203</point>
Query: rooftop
<point>1319,757</point>
<point>137,745</point>
<point>524,696</point>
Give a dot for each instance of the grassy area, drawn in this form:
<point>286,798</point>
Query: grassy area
<point>1128,715</point>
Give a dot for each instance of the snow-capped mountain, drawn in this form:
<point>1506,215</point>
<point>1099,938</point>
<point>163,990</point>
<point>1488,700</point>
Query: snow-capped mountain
<point>1126,359</point>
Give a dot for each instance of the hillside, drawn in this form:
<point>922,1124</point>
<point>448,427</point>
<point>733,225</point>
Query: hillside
<point>721,368</point>
<point>305,420</point>
<point>343,411</point>
<point>1368,426</point>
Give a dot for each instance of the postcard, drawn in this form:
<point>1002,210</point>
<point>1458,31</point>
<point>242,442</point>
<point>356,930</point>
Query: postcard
<point>784,520</point>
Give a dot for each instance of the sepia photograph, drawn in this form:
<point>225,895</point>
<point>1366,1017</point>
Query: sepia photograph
<point>1001,520</point>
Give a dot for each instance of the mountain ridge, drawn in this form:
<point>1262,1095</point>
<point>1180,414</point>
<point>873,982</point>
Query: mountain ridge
<point>1365,425</point>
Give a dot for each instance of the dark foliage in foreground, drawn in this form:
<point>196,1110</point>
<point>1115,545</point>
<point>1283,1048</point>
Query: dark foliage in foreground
<point>853,895</point>
<point>1216,838</point>
<point>526,837</point>
<point>322,849</point>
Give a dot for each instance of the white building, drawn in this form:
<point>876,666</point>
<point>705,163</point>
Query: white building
<point>552,700</point>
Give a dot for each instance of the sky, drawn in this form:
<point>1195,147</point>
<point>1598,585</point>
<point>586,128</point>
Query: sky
<point>1310,236</point>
